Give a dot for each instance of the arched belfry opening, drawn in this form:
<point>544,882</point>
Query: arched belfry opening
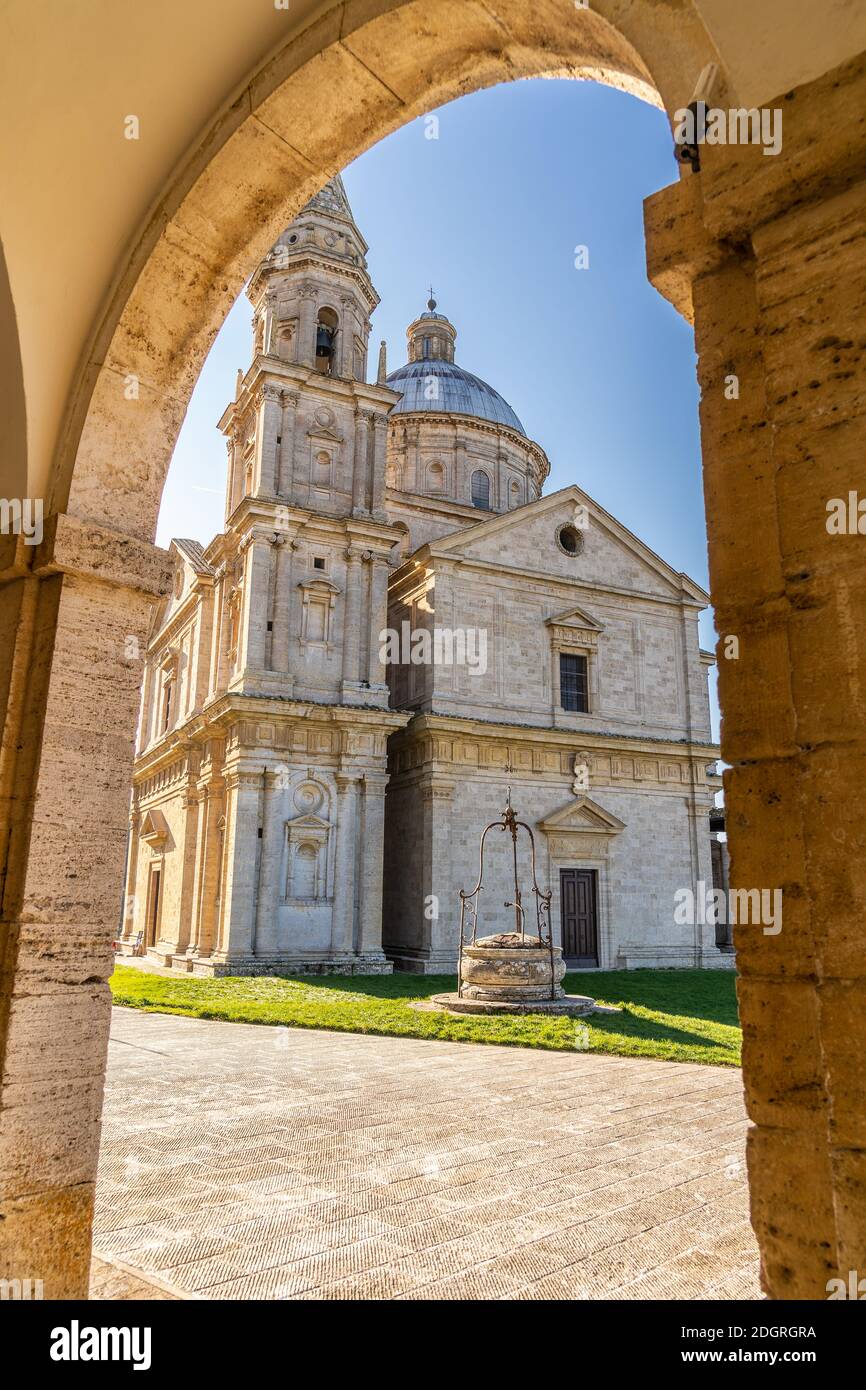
<point>327,341</point>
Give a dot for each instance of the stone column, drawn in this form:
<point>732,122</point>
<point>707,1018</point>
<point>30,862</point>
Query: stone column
<point>269,864</point>
<point>352,619</point>
<point>267,450</point>
<point>362,452</point>
<point>439,933</point>
<point>370,876</point>
<point>378,620</point>
<point>143,734</point>
<point>286,464</point>
<point>307,327</point>
<point>380,438</point>
<point>222,633</point>
<point>201,856</point>
<point>461,482</point>
<point>234,471</point>
<point>181,937</point>
<point>238,469</point>
<point>208,889</point>
<point>343,928</point>
<point>772,264</point>
<point>256,547</point>
<point>128,928</point>
<point>243,811</point>
<point>284,549</point>
<point>69,607</point>
<point>347,337</point>
<point>413,482</point>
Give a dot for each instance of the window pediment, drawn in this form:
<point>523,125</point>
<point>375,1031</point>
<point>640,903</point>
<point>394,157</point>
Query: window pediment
<point>580,816</point>
<point>574,628</point>
<point>319,585</point>
<point>307,822</point>
<point>323,432</point>
<point>154,829</point>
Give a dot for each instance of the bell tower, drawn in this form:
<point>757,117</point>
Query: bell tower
<point>312,294</point>
<point>307,536</point>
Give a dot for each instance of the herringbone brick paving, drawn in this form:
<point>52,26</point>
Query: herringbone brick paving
<point>275,1163</point>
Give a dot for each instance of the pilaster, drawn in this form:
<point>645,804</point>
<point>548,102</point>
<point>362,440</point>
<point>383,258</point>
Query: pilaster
<point>352,624</point>
<point>343,938</point>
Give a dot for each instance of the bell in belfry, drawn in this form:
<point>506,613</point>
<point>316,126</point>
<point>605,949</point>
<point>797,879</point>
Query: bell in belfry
<point>324,341</point>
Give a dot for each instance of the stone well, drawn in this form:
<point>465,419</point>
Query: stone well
<point>510,972</point>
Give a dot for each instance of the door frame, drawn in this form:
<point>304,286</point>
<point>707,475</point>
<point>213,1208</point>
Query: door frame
<point>592,871</point>
<point>153,912</point>
<point>606,946</point>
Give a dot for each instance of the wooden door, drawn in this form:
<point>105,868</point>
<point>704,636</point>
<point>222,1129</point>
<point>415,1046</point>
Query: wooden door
<point>152,925</point>
<point>579,906</point>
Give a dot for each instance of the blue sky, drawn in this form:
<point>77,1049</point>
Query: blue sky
<point>600,369</point>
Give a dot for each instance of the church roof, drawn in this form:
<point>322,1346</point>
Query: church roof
<point>458,393</point>
<point>194,553</point>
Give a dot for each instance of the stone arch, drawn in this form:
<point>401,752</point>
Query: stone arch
<point>273,149</point>
<point>358,71</point>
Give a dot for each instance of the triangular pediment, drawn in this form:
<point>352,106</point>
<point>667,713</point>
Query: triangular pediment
<point>154,828</point>
<point>322,432</point>
<point>308,821</point>
<point>577,618</point>
<point>583,814</point>
<point>533,524</point>
<point>320,584</point>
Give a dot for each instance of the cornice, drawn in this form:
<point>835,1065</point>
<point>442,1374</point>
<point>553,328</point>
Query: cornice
<point>474,422</point>
<point>429,563</point>
<point>304,261</point>
<point>431,724</point>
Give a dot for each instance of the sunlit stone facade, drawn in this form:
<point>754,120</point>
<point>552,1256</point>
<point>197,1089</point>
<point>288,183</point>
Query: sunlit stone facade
<point>311,780</point>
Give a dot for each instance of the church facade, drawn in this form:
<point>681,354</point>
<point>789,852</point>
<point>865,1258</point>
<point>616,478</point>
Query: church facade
<point>394,623</point>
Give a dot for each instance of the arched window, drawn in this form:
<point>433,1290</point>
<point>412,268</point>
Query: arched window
<point>436,478</point>
<point>481,490</point>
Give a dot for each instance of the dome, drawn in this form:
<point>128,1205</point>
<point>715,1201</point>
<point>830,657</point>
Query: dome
<point>459,393</point>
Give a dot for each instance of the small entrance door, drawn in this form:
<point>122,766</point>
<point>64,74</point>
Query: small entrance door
<point>153,907</point>
<point>579,899</point>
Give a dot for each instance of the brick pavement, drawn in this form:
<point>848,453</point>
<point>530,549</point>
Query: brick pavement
<point>273,1163</point>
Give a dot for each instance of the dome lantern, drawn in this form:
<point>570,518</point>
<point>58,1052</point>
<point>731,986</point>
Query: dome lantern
<point>431,337</point>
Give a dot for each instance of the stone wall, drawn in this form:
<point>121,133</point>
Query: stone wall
<point>642,824</point>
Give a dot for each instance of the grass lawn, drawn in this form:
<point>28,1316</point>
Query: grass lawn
<point>678,1015</point>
